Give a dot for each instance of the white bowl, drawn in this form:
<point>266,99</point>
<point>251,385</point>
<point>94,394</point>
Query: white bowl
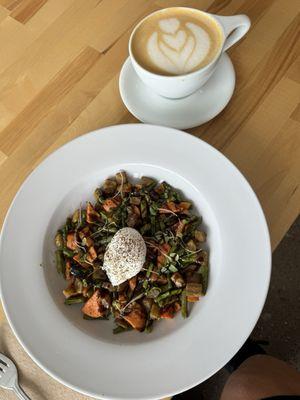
<point>178,354</point>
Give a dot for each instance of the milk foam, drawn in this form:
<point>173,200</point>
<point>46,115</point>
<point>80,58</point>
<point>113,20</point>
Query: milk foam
<point>176,47</point>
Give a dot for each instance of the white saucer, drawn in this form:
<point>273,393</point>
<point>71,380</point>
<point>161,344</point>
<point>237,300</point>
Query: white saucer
<point>185,113</point>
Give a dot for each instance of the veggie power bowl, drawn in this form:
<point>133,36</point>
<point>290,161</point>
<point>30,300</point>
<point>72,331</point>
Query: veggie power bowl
<point>137,254</point>
<point>85,354</point>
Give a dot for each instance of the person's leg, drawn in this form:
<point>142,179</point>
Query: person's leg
<point>261,376</point>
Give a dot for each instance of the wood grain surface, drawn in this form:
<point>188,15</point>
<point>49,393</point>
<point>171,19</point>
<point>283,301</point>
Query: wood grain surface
<point>59,69</point>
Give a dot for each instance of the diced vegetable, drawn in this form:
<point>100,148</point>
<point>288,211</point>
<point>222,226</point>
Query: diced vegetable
<point>59,241</point>
<point>121,177</point>
<point>92,255</point>
<point>68,270</point>
<point>75,216</point>
<point>80,261</point>
<point>145,181</point>
<point>135,200</point>
<point>178,280</point>
<point>136,318</point>
<point>109,186</point>
<point>193,289</point>
<point>109,205</point>
<point>185,205</point>
<point>155,311</point>
<point>147,303</point>
<point>153,292</point>
<point>132,283</point>
<point>192,299</point>
<point>92,307</point>
<point>168,312</point>
<point>200,236</point>
<point>91,214</point>
<point>191,245</point>
<point>70,292</point>
<point>71,241</point>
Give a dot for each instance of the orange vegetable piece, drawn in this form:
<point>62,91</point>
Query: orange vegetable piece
<point>71,242</point>
<point>91,214</point>
<point>92,255</point>
<point>184,205</point>
<point>92,306</point>
<point>110,204</point>
<point>80,262</point>
<point>180,228</point>
<point>173,207</point>
<point>136,318</point>
<point>192,299</point>
<point>68,271</point>
<point>136,210</point>
<point>164,249</point>
<point>132,283</point>
<point>168,312</point>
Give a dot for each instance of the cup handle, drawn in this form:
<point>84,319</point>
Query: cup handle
<point>235,27</point>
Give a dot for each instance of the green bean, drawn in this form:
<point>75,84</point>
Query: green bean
<point>184,311</point>
<point>120,329</point>
<point>172,268</point>
<point>204,271</point>
<point>68,253</point>
<point>144,209</point>
<point>68,224</point>
<point>145,228</point>
<point>149,270</point>
<point>105,240</point>
<point>74,300</point>
<point>153,209</point>
<point>167,294</point>
<point>121,322</point>
<point>149,326</point>
<point>167,287</point>
<point>167,301</point>
<point>163,296</point>
<point>162,225</point>
<point>175,291</point>
<point>60,262</point>
<point>145,284</point>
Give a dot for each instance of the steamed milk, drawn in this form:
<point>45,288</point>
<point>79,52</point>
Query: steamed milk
<point>176,41</point>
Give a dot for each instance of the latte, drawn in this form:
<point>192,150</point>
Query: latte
<point>176,41</point>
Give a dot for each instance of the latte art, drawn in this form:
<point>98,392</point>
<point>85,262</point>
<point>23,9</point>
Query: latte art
<point>176,41</point>
<point>181,51</point>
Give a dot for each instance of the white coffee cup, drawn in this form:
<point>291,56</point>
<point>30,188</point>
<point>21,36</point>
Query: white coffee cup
<point>177,86</point>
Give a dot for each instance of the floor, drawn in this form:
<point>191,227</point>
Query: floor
<point>279,323</point>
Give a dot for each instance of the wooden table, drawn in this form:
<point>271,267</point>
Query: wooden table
<point>59,68</point>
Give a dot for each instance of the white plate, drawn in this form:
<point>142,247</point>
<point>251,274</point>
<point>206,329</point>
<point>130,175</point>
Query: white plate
<point>188,112</point>
<point>179,354</point>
